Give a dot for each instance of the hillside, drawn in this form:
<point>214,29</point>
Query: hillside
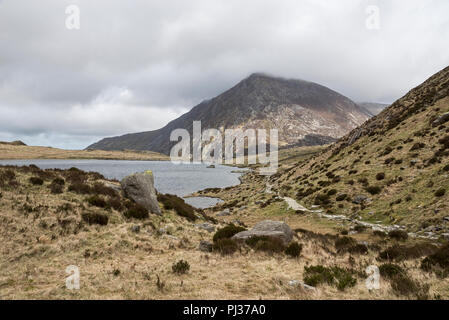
<point>305,113</point>
<point>393,169</point>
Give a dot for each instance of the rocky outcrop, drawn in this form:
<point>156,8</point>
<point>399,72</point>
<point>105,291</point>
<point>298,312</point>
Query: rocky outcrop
<point>268,228</point>
<point>140,188</point>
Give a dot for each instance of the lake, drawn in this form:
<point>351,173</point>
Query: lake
<point>179,179</point>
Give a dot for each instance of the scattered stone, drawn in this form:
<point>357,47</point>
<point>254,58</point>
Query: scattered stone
<point>140,188</point>
<point>135,229</point>
<point>206,226</point>
<point>297,283</point>
<point>224,213</point>
<point>445,236</point>
<point>268,228</point>
<point>205,246</point>
<point>359,199</point>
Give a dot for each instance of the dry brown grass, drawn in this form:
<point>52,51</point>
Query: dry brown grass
<point>43,233</point>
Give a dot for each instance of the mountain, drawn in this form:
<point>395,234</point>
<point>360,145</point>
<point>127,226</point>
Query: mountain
<point>392,169</point>
<point>372,107</point>
<point>303,112</point>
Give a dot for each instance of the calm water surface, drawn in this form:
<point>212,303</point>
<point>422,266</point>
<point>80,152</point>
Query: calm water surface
<point>179,179</point>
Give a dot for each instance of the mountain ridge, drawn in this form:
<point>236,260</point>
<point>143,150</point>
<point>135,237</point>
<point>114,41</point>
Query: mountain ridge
<point>298,108</point>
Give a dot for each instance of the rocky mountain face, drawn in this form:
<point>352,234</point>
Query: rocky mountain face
<point>372,107</point>
<point>393,169</point>
<point>303,112</point>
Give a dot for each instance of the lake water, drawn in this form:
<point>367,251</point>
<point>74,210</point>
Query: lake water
<point>179,179</point>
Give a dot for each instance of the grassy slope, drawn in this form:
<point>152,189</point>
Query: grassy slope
<point>408,191</point>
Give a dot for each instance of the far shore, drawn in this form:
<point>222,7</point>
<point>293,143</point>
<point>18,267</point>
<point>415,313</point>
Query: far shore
<point>21,152</point>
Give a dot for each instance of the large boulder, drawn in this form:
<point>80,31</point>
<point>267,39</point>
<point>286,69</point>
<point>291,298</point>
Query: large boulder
<point>268,228</point>
<point>140,188</point>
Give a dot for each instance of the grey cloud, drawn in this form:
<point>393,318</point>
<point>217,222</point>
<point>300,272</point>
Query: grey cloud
<point>170,55</point>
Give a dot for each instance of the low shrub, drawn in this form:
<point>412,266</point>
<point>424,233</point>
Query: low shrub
<point>95,218</point>
<point>341,197</point>
<point>180,267</point>
<point>294,250</point>
<point>56,188</point>
<point>172,202</point>
<point>322,198</point>
<point>101,189</point>
<point>440,192</point>
<point>115,203</point>
<point>136,211</point>
<point>36,181</point>
<point>380,176</point>
<point>341,278</point>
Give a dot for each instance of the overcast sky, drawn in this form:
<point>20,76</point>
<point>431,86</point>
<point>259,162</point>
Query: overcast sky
<point>134,65</point>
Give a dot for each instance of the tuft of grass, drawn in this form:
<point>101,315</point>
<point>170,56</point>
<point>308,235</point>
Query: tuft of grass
<point>438,262</point>
<point>373,189</point>
<point>180,267</point>
<point>136,211</point>
<point>440,192</point>
<point>294,250</point>
<point>340,278</point>
<point>389,270</point>
<point>407,252</point>
<point>36,181</point>
<point>266,244</point>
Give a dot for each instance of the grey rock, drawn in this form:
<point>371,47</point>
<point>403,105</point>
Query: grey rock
<point>205,246</point>
<point>140,188</point>
<point>268,228</point>
<point>113,186</point>
<point>441,119</point>
<point>135,229</point>
<point>206,226</point>
<point>224,213</point>
<point>297,283</point>
<point>359,199</point>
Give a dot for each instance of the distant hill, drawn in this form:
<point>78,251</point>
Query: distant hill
<point>305,113</point>
<point>13,143</point>
<point>392,169</point>
<point>373,108</point>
